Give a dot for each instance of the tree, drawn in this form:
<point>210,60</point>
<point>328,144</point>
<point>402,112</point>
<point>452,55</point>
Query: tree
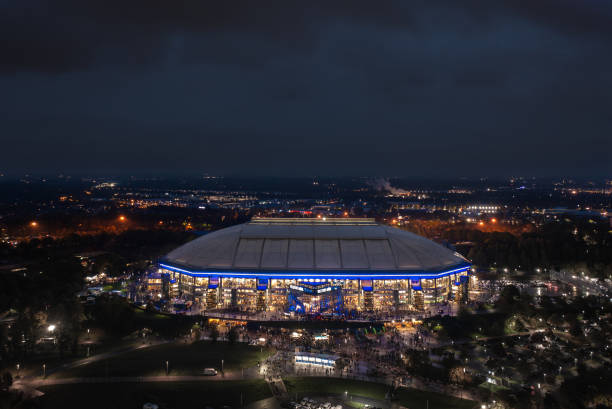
<point>69,317</point>
<point>458,375</point>
<point>113,313</point>
<point>232,336</point>
<point>341,363</point>
<point>576,329</point>
<point>7,380</point>
<point>4,340</point>
<point>22,333</point>
<point>150,308</point>
<point>478,256</point>
<point>197,332</point>
<point>214,333</point>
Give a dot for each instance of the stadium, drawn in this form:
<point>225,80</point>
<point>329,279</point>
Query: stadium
<point>316,266</point>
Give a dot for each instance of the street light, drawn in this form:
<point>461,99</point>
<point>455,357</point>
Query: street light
<point>166,368</point>
<point>44,370</point>
<point>222,365</point>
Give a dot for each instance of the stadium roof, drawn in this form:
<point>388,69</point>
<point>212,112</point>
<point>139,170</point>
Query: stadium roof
<point>275,245</point>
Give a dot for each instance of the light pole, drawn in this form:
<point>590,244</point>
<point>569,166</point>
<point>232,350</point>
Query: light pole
<point>166,368</point>
<point>44,370</point>
<point>222,365</point>
<point>18,368</point>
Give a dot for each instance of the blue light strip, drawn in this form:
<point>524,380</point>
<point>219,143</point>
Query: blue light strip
<point>289,275</point>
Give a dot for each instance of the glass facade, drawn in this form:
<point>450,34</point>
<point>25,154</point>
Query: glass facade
<point>318,295</point>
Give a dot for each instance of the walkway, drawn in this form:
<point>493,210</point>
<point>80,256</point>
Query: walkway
<point>229,376</point>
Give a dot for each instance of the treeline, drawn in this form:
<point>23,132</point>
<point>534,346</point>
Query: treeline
<point>439,227</point>
<point>53,274</point>
<point>61,223</point>
<point>564,244</point>
<point>131,244</point>
<point>44,290</point>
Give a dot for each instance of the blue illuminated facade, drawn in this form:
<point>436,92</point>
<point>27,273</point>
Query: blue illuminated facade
<point>305,274</point>
<point>335,292</point>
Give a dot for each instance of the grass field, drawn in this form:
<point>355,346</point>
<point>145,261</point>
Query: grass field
<point>166,394</point>
<point>183,359</point>
<point>410,398</point>
<point>32,365</point>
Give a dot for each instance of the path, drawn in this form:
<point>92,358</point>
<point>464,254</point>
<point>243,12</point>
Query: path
<point>229,376</point>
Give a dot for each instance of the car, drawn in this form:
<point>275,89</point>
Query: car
<point>209,371</point>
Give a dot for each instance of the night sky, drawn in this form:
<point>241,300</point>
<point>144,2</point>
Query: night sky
<point>431,88</point>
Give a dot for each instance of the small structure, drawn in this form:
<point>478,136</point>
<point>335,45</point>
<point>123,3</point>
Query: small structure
<point>315,360</point>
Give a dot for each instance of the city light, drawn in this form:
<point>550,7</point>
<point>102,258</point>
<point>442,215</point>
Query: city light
<point>122,218</point>
<point>33,224</point>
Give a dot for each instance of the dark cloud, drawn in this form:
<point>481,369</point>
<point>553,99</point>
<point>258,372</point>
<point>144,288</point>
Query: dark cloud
<point>340,87</point>
<point>66,35</point>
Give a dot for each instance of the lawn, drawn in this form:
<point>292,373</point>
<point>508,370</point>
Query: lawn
<point>410,398</point>
<point>32,365</point>
<point>183,359</point>
<point>166,394</point>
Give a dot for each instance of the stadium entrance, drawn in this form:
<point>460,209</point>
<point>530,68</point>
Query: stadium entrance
<point>314,297</point>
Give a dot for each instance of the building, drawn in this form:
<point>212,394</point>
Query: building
<point>162,284</point>
<point>337,266</point>
<point>313,360</point>
<point>481,209</point>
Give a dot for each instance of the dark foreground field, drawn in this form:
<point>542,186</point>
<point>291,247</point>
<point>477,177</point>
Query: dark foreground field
<point>198,394</point>
<point>409,398</point>
<point>183,359</point>
<point>170,395</point>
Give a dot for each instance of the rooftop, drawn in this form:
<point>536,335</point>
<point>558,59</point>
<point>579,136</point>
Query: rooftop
<point>315,245</point>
